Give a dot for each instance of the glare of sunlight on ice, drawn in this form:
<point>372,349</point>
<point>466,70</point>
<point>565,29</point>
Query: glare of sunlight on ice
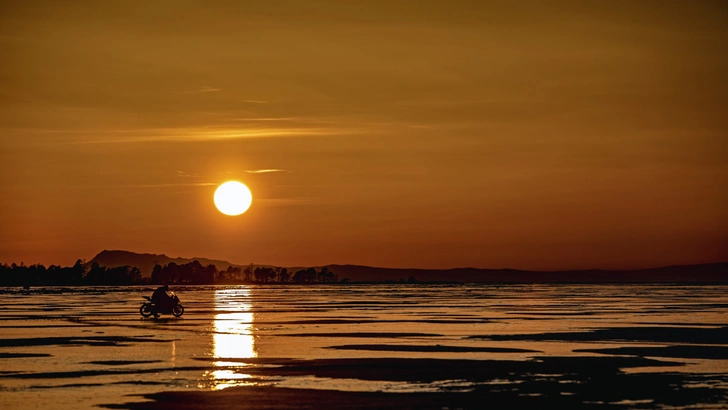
<point>228,378</point>
<point>233,327</point>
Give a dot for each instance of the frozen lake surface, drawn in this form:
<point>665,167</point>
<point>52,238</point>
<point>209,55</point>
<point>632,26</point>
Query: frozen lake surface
<point>70,348</point>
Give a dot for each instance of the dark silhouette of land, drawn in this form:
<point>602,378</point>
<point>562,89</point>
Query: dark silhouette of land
<point>701,273</point>
<point>128,268</point>
<point>712,272</point>
<point>146,261</point>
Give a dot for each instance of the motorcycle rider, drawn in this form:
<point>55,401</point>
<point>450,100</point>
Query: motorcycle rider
<point>161,299</point>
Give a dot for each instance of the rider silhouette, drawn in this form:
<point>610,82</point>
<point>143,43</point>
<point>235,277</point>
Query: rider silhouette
<point>161,299</point>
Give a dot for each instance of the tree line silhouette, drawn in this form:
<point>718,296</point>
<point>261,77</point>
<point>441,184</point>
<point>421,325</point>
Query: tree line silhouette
<point>193,273</point>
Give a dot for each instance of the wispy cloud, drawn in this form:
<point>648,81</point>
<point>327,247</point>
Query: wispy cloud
<point>168,185</point>
<point>443,102</point>
<point>202,90</point>
<point>270,119</point>
<point>260,133</point>
<point>183,174</point>
<point>291,201</point>
<point>201,134</point>
<point>264,171</point>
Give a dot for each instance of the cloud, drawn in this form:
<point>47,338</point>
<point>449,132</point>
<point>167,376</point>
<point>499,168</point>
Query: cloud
<point>183,174</point>
<point>168,185</point>
<point>264,171</point>
<point>199,134</point>
<point>291,201</point>
<point>202,90</point>
<point>271,119</point>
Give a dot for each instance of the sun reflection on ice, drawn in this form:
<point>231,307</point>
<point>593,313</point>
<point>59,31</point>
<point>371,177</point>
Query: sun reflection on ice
<point>222,379</point>
<point>232,337</point>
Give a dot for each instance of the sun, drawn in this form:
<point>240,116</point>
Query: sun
<point>233,198</point>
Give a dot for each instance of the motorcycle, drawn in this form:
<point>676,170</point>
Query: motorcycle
<point>174,307</point>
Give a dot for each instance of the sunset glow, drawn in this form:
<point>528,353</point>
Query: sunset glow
<point>458,204</point>
<point>233,198</point>
<point>400,134</point>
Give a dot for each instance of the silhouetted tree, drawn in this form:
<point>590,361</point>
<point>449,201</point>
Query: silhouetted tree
<point>248,273</point>
<point>232,273</point>
<point>325,276</point>
<point>299,276</point>
<point>157,274</point>
<point>311,275</point>
<point>71,275</point>
<point>135,274</point>
<point>119,275</point>
<point>283,276</point>
<point>189,271</point>
<point>273,274</point>
<point>171,273</point>
<point>264,273</point>
<point>95,275</point>
<point>207,276</point>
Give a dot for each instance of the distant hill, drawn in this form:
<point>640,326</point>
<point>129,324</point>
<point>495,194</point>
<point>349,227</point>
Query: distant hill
<point>700,273</point>
<point>146,261</point>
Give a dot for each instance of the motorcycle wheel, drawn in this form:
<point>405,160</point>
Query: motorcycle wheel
<point>145,310</point>
<point>178,310</point>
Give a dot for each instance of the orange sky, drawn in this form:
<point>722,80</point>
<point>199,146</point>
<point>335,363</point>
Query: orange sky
<point>525,134</point>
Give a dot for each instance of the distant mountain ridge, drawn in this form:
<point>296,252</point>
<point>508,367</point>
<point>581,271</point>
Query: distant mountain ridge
<point>146,261</point>
<point>697,273</point>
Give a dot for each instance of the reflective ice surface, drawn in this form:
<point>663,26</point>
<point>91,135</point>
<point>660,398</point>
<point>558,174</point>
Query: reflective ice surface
<point>77,347</point>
